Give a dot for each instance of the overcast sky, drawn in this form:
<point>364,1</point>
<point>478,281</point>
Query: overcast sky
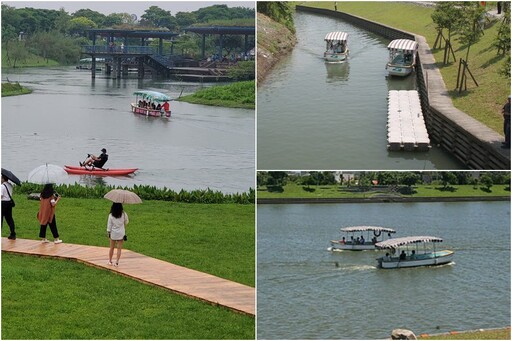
<point>131,7</point>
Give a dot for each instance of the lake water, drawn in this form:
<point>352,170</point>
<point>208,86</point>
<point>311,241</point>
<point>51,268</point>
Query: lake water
<point>307,292</point>
<point>69,115</point>
<point>313,115</point>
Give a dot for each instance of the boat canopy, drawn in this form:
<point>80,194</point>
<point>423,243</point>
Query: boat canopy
<point>403,45</point>
<point>336,36</point>
<point>395,242</point>
<point>366,228</point>
<point>153,96</point>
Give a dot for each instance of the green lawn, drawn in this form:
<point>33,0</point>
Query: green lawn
<point>484,103</point>
<point>31,61</point>
<point>235,95</point>
<point>496,334</point>
<point>61,299</point>
<point>213,238</point>
<point>45,298</point>
<point>292,190</point>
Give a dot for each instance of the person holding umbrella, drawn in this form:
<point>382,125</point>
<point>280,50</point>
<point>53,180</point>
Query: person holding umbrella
<point>8,203</point>
<point>117,221</point>
<point>48,200</point>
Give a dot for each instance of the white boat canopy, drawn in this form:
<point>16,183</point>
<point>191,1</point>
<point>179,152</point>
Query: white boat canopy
<point>367,228</point>
<point>403,45</point>
<point>336,36</point>
<point>395,242</point>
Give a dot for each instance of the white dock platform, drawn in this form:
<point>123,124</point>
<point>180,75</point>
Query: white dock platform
<point>406,126</point>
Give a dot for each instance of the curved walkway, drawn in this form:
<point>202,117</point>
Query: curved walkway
<point>181,280</point>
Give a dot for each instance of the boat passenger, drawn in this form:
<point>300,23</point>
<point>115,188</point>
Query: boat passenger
<point>374,240</point>
<point>387,257</point>
<point>159,106</point>
<point>362,240</point>
<point>342,241</point>
<point>352,240</point>
<point>403,255</point>
<point>96,161</point>
<point>413,255</point>
<point>166,106</point>
<point>358,241</point>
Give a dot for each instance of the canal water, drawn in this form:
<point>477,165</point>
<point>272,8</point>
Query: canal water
<point>69,115</point>
<point>307,292</point>
<point>313,115</point>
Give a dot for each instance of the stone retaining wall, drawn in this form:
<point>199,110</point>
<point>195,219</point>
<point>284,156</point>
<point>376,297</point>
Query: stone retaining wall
<point>472,143</point>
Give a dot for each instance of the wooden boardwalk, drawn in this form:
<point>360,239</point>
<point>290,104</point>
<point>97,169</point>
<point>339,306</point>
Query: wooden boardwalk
<point>192,283</point>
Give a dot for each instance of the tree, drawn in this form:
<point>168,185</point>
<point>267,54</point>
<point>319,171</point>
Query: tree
<point>279,11</point>
<point>448,178</point>
<point>486,180</point>
<point>94,16</point>
<point>16,52</point>
<point>470,29</point>
<point>410,179</point>
<point>279,178</point>
<point>79,24</point>
<point>185,19</point>
<point>446,16</point>
<point>155,16</point>
<point>502,42</point>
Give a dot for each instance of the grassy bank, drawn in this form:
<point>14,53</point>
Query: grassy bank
<point>495,334</point>
<point>30,61</point>
<point>61,299</point>
<point>292,190</point>
<point>212,238</point>
<point>484,102</point>
<point>14,89</point>
<point>236,95</point>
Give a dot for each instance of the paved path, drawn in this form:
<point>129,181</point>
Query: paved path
<point>192,283</point>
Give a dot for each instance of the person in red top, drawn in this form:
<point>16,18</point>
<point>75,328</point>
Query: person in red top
<point>166,106</point>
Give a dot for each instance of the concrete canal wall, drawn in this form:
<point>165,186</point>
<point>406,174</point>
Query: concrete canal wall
<point>468,140</point>
<point>376,199</point>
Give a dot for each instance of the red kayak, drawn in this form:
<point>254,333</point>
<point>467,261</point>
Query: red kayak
<point>99,171</point>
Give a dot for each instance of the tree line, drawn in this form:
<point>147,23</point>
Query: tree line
<point>368,179</point>
<point>58,35</point>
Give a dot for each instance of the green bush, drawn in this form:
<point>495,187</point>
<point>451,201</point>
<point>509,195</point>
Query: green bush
<point>145,192</point>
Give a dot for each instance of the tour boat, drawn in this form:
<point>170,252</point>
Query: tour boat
<point>150,98</point>
<point>412,256</point>
<point>99,171</point>
<point>336,49</point>
<point>355,235</point>
<point>402,57</point>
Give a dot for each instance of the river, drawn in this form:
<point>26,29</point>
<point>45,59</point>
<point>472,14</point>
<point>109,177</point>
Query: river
<point>313,115</point>
<point>69,115</point>
<point>307,292</point>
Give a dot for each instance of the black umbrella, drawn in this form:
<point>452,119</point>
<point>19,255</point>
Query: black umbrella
<point>10,176</point>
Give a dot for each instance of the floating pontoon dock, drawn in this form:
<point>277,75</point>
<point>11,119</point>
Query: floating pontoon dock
<point>406,126</point>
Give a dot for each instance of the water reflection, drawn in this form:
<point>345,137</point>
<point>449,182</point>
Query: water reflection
<point>402,83</point>
<point>337,72</point>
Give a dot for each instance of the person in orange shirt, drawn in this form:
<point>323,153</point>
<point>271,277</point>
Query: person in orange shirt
<point>48,200</point>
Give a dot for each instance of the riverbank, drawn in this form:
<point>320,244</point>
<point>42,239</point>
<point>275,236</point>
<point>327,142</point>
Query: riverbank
<point>295,194</point>
<point>236,95</point>
<point>482,334</point>
<point>14,89</point>
<point>484,103</point>
<point>275,41</point>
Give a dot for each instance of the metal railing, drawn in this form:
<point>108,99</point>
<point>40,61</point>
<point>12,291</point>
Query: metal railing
<point>117,49</point>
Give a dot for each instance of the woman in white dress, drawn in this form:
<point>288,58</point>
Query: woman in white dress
<point>117,220</point>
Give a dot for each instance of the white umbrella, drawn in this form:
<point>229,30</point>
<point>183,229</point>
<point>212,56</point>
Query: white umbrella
<point>47,174</point>
<point>123,196</point>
